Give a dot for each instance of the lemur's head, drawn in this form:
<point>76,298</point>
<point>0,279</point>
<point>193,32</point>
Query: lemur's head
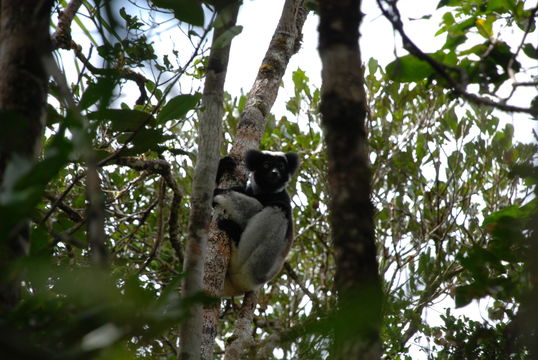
<point>270,171</point>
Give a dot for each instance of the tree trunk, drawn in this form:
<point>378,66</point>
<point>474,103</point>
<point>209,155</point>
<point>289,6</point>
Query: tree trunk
<point>285,43</point>
<point>24,43</point>
<point>343,109</point>
<point>204,182</point>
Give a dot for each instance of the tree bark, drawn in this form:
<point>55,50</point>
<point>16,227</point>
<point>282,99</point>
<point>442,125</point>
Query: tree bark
<point>62,36</point>
<point>204,182</point>
<point>343,109</point>
<point>24,43</point>
<point>285,43</point>
<point>242,336</point>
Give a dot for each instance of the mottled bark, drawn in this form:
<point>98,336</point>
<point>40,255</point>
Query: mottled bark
<point>24,43</point>
<point>285,42</point>
<point>243,329</point>
<point>343,109</point>
<point>62,36</point>
<point>204,182</point>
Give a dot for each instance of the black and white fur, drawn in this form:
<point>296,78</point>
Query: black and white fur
<point>258,219</point>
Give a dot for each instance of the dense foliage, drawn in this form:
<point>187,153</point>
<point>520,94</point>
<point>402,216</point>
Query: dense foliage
<point>452,191</point>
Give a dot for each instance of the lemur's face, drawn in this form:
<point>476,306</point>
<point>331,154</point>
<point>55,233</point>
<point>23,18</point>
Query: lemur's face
<point>271,171</point>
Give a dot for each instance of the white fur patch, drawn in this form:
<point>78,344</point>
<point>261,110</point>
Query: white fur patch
<point>274,153</point>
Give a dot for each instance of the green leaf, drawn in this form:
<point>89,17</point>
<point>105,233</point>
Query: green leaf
<point>501,6</point>
<point>372,66</point>
<point>448,18</point>
<point>123,119</point>
<point>178,107</point>
<point>451,120</point>
<point>485,27</point>
<point>466,293</point>
<point>189,11</point>
<point>523,18</point>
<point>448,3</point>
<point>409,68</point>
<point>514,211</point>
<point>24,182</point>
<point>300,80</point>
<point>421,147</point>
<point>100,90</point>
<point>144,140</point>
<point>293,105</point>
<point>150,85</point>
<point>530,51</point>
<point>52,116</point>
<point>453,41</point>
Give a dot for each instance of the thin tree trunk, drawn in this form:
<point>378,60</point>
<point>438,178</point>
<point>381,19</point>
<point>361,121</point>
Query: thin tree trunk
<point>285,43</point>
<point>343,109</point>
<point>528,306</point>
<point>24,43</point>
<point>204,182</point>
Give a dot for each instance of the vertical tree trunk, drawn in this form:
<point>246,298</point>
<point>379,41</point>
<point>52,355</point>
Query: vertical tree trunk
<point>24,43</point>
<point>285,43</point>
<point>528,309</point>
<point>343,109</point>
<point>204,182</point>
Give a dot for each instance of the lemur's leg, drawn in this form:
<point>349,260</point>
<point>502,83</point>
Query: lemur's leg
<point>261,251</point>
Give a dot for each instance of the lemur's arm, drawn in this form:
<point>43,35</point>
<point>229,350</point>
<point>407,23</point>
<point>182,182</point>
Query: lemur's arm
<point>238,206</point>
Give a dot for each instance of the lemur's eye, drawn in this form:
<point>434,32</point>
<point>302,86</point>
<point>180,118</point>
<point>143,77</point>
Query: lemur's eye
<point>266,165</point>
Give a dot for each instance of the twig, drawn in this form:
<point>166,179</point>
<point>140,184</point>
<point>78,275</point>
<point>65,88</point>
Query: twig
<point>158,239</point>
<point>442,69</point>
<point>295,277</point>
<point>71,214</point>
<point>123,73</point>
<point>163,168</point>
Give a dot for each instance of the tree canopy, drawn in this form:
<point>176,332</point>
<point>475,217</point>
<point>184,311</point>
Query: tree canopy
<point>96,220</point>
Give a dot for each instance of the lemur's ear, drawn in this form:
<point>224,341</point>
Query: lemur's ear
<point>253,158</point>
<point>293,161</point>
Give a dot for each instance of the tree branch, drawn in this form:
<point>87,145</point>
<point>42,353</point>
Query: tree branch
<point>123,73</point>
<point>392,14</point>
<point>163,168</point>
<point>62,36</point>
<point>210,121</point>
<point>242,336</point>
<point>159,237</point>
